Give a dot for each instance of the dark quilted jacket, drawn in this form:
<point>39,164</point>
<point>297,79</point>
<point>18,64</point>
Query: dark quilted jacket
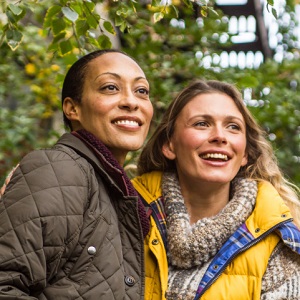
<point>67,231</point>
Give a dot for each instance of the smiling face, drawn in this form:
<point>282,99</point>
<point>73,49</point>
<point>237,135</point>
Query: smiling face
<point>115,104</point>
<point>209,140</point>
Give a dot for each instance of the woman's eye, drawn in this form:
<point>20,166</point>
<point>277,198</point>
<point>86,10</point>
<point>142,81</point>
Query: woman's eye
<point>234,127</point>
<point>143,91</point>
<point>201,124</point>
<point>109,87</point>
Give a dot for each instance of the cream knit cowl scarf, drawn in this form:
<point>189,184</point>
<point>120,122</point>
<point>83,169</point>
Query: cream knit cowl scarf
<point>192,247</point>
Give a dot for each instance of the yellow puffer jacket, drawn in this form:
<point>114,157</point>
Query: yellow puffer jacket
<point>239,278</point>
<point>156,264</point>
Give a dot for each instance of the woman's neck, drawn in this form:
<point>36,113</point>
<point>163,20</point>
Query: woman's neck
<point>205,200</point>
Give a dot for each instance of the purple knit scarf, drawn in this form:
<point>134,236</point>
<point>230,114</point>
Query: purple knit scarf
<point>120,176</point>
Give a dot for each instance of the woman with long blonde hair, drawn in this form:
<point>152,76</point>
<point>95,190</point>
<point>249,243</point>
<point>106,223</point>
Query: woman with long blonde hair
<point>227,218</point>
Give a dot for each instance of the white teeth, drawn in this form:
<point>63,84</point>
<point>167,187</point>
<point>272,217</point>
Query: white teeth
<point>215,155</point>
<point>127,122</point>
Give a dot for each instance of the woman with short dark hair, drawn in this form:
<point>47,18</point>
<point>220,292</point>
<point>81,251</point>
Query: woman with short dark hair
<point>72,225</point>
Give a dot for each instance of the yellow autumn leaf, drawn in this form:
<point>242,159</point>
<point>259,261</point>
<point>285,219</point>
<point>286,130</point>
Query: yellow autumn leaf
<point>55,68</point>
<point>35,88</point>
<point>30,69</point>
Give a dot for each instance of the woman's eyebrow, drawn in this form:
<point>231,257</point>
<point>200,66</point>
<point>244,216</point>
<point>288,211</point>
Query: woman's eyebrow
<point>235,118</point>
<point>108,73</point>
<point>119,77</point>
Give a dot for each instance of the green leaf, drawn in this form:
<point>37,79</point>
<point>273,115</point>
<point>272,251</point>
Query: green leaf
<point>93,21</point>
<point>213,11</point>
<point>77,7</point>
<point>91,17</point>
<point>88,7</point>
<point>121,23</point>
<point>108,27</point>
<point>123,26</point>
<point>3,32</point>
<point>92,41</point>
<point>124,12</point>
<point>14,38</point>
<point>274,13</point>
<point>65,47</point>
<point>53,47</point>
<point>16,10</point>
<point>14,18</point>
<point>51,12</point>
<point>11,17</point>
<point>104,42</point>
<point>118,20</point>
<point>59,37</point>
<point>158,16</point>
<point>70,14</point>
<point>58,25</point>
<point>81,27</point>
<point>203,12</point>
<point>271,2</point>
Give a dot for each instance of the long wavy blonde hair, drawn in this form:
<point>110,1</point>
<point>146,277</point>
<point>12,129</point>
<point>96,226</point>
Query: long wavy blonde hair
<point>262,164</point>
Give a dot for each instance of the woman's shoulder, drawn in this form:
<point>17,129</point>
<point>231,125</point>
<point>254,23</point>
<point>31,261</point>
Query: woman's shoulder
<point>49,171</point>
<point>59,158</point>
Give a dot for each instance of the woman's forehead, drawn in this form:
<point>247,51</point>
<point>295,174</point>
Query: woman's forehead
<point>114,62</point>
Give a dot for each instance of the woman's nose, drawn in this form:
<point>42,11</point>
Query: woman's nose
<point>129,101</point>
<point>218,135</point>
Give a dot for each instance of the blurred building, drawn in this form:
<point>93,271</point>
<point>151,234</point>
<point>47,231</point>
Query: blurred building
<point>253,30</point>
<point>248,31</point>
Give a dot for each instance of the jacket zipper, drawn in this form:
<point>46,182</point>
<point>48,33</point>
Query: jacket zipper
<point>237,253</point>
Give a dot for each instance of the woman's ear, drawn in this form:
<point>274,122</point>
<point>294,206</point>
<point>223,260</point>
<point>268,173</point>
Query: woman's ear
<point>244,160</point>
<point>70,109</point>
<point>167,150</point>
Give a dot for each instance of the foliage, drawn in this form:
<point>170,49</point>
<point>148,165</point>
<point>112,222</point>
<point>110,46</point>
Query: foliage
<point>40,40</point>
<point>29,95</point>
<point>172,53</point>
<point>278,110</point>
<point>78,23</point>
